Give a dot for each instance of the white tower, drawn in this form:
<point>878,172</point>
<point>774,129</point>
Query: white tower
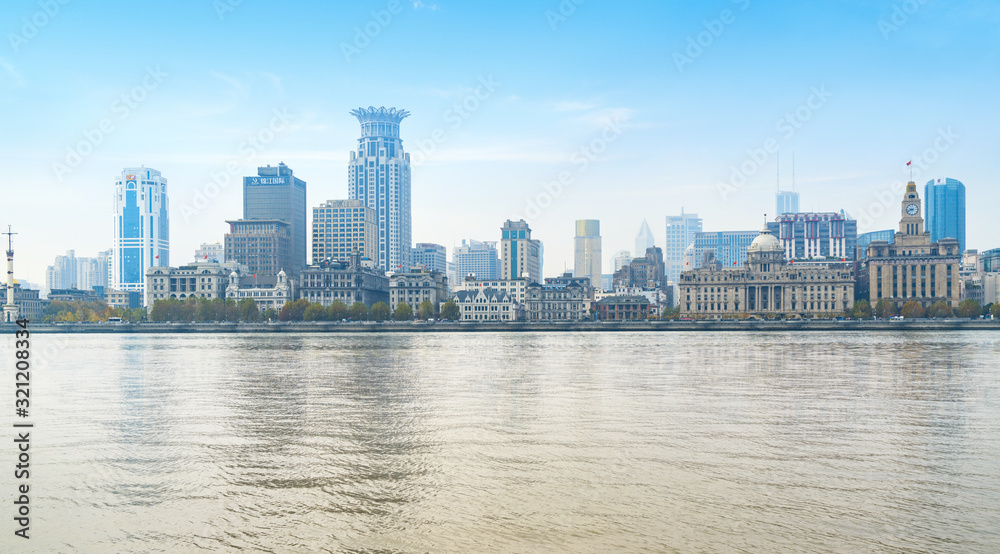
<point>142,227</point>
<point>10,311</point>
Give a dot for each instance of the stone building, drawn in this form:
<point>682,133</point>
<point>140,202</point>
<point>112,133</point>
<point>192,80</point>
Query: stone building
<point>624,308</point>
<point>416,286</point>
<point>487,305</point>
<point>266,296</point>
<point>354,280</point>
<point>565,298</point>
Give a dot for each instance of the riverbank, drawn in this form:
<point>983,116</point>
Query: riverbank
<point>451,327</point>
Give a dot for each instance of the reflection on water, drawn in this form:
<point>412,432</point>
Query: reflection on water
<point>723,442</point>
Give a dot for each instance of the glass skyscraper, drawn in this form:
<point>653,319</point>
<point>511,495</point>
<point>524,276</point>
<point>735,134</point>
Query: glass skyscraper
<point>944,210</point>
<point>142,227</point>
<point>864,239</point>
<point>379,176</point>
<point>681,231</point>
<point>276,194</point>
<point>587,251</point>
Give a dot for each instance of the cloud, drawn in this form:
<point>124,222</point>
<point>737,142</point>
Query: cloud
<point>572,106</point>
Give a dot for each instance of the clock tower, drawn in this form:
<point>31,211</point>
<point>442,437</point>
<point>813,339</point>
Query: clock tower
<point>911,222</point>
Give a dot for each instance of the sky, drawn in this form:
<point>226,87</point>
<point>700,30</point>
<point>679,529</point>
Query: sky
<point>551,111</point>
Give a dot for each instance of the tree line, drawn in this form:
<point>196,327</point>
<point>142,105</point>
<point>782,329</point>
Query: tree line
<point>246,310</point>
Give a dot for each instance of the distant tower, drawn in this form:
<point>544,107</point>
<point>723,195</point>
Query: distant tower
<point>521,255</point>
<point>10,311</point>
<point>944,210</point>
<point>587,251</point>
<point>142,227</point>
<point>643,240</point>
<point>786,201</point>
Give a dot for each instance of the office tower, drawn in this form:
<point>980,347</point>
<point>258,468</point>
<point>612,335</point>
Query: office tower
<point>730,247</point>
<point>339,227</point>
<point>864,239</point>
<point>945,209</point>
<point>681,231</point>
<point>210,252</point>
<point>276,194</point>
<point>587,251</point>
<point>786,202</point>
<point>142,227</point>
<point>82,273</point>
<point>264,246</point>
<point>476,258</point>
<point>620,260</point>
<point>808,235</point>
<point>644,239</point>
<point>521,256</point>
<point>430,256</point>
<point>379,176</point>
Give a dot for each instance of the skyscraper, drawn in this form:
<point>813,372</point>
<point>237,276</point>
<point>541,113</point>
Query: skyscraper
<point>786,202</point>
<point>620,259</point>
<point>340,227</point>
<point>587,251</point>
<point>430,256</point>
<point>816,235</point>
<point>476,258</point>
<point>644,239</point>
<point>945,209</point>
<point>142,227</point>
<point>379,176</point>
<point>276,194</point>
<point>521,256</point>
<point>730,247</point>
<point>681,231</point>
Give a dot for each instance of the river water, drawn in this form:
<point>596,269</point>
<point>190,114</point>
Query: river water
<point>519,442</point>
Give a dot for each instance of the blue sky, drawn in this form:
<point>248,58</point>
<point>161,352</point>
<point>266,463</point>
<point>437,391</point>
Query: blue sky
<point>661,124</point>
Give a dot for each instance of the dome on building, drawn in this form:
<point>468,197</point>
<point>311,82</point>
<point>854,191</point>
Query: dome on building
<point>765,242</point>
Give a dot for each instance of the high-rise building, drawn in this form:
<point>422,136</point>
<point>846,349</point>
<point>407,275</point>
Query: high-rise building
<point>142,227</point>
<point>681,231</point>
<point>521,256</point>
<point>864,239</point>
<point>69,271</point>
<point>730,247</point>
<point>210,252</point>
<point>807,236</point>
<point>476,258</point>
<point>341,226</point>
<point>430,256</point>
<point>786,202</point>
<point>379,176</point>
<point>587,250</point>
<point>644,239</point>
<point>945,209</point>
<point>264,246</point>
<point>620,260</point>
<point>276,194</point>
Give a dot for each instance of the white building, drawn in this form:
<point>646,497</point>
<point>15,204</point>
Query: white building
<point>515,287</point>
<point>681,232</point>
<point>487,305</point>
<point>477,258</point>
<point>341,226</point>
<point>416,286</point>
<point>200,280</point>
<point>266,297</point>
<point>379,176</point>
<point>210,252</point>
<point>141,227</point>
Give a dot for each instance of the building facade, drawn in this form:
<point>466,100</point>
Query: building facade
<point>128,299</point>
<point>379,176</point>
<point>267,297</point>
<point>864,239</point>
<point>486,305</point>
<point>341,226</point>
<point>26,302</point>
<point>913,267</point>
<point>623,308</point>
<point>349,281</point>
<point>264,246</point>
<point>729,247</point>
<point>681,232</point>
<point>808,236</point>
<point>142,227</point>
<point>417,285</point>
<point>210,252</point>
<point>515,287</point>
<point>944,211</point>
<point>276,194</point>
<point>587,250</point>
<point>768,284</point>
<point>430,256</point>
<point>83,273</point>
<point>197,280</point>
<point>564,298</point>
<point>479,259</point>
<point>521,256</point>
<point>786,202</point>
<point>989,260</point>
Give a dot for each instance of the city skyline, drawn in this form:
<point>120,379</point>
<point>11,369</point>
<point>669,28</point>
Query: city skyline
<point>486,124</point>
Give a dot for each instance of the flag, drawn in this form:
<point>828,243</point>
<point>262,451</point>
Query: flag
<point>843,259</point>
<point>791,261</point>
<point>254,275</point>
<point>908,163</point>
<point>734,263</point>
<point>157,257</point>
<point>206,256</point>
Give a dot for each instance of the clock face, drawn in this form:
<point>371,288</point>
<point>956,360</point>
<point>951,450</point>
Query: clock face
<point>912,209</point>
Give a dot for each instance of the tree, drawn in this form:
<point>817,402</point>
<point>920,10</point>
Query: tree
<point>862,310</point>
<point>269,314</point>
<point>380,311</point>
<point>315,312</point>
<point>451,311</point>
<point>358,311</point>
<point>293,311</point>
<point>426,309</point>
<point>336,311</point>
<point>403,312</point>
<point>995,310</point>
<point>941,309</point>
<point>670,313</point>
<point>969,308</point>
<point>885,309</point>
<point>912,309</point>
<point>248,310</point>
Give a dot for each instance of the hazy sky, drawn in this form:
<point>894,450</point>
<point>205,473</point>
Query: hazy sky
<point>641,108</point>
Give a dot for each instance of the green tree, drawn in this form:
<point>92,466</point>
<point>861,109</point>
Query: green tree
<point>912,309</point>
<point>248,310</point>
<point>315,312</point>
<point>670,313</point>
<point>426,309</point>
<point>380,311</point>
<point>995,310</point>
<point>336,311</point>
<point>293,311</point>
<point>885,309</point>
<point>862,310</point>
<point>358,311</point>
<point>403,312</point>
<point>451,311</point>
<point>204,310</point>
<point>969,308</point>
<point>269,314</point>
<point>163,309</point>
<point>941,309</point>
